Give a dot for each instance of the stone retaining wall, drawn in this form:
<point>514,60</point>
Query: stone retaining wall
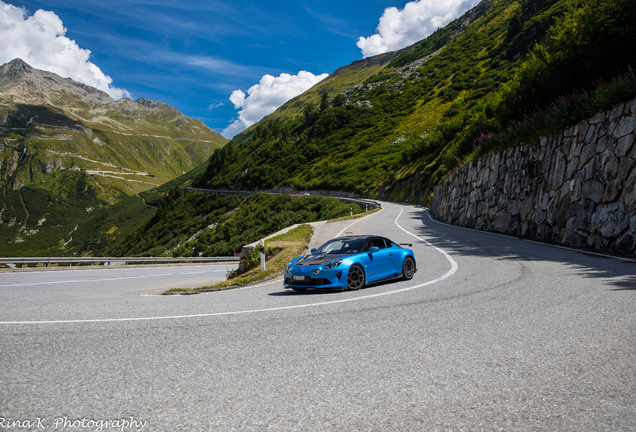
<point>577,187</point>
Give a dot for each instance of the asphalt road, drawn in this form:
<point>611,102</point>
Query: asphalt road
<point>493,333</point>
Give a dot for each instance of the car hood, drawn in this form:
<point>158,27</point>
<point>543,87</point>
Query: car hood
<point>318,259</point>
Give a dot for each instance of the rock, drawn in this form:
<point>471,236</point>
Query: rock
<point>624,243</point>
<point>576,186</point>
<point>613,191</point>
<point>501,222</point>
<point>472,211</point>
<point>586,154</point>
<point>625,145</point>
<point>583,216</point>
<point>572,167</point>
<point>625,126</point>
<point>574,237</point>
<point>629,190</point>
<point>527,207</point>
<point>616,112</point>
<point>593,190</point>
<point>557,171</point>
<point>610,220</point>
<point>591,134</point>
<point>598,118</point>
<point>625,168</point>
<point>540,216</point>
<point>513,207</point>
<point>583,127</point>
<point>602,130</point>
<point>545,201</point>
<point>609,162</point>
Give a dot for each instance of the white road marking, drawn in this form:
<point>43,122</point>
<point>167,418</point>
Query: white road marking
<point>530,241</point>
<point>108,268</point>
<point>84,281</point>
<point>282,308</point>
<point>454,265</point>
<point>191,273</point>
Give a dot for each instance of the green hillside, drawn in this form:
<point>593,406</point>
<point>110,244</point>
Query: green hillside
<point>201,224</point>
<point>465,89</point>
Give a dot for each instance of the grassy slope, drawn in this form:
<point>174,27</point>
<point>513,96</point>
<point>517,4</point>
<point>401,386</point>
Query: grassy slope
<point>407,125</point>
<point>339,81</point>
<point>197,223</point>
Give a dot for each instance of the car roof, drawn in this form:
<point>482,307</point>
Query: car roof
<point>356,237</point>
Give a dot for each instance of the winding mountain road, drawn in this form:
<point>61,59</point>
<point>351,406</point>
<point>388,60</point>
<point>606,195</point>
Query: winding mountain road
<point>493,333</point>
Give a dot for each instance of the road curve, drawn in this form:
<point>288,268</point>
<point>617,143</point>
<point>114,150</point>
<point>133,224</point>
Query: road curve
<point>493,333</point>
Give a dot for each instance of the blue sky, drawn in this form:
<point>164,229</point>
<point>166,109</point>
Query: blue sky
<point>194,54</point>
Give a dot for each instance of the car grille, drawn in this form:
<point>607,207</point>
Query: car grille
<point>308,282</point>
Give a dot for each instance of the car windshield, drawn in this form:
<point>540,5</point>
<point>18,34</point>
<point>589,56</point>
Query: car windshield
<point>341,246</point>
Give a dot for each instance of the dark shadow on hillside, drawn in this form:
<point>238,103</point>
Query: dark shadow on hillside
<point>467,242</point>
<point>45,115</point>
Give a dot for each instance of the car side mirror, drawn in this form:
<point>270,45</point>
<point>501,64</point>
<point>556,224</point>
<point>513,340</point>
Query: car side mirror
<point>374,249</point>
<point>313,250</point>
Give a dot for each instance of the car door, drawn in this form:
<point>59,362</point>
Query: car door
<point>395,256</point>
<point>380,265</point>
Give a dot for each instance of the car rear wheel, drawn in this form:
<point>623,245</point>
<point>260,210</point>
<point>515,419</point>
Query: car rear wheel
<point>355,278</point>
<point>408,268</point>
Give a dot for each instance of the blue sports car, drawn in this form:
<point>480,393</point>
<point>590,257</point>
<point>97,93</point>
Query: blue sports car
<point>350,263</point>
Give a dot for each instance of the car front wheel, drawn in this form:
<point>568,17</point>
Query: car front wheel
<point>355,278</point>
<point>408,268</point>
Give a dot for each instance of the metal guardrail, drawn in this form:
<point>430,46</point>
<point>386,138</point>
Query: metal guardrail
<point>114,260</point>
<point>222,192</point>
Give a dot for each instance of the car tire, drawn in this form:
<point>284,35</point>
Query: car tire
<point>299,289</point>
<point>355,278</point>
<point>408,268</point>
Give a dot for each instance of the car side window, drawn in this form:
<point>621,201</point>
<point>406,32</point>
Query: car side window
<point>377,242</point>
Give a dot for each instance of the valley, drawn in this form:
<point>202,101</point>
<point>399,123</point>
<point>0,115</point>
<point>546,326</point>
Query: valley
<point>70,149</point>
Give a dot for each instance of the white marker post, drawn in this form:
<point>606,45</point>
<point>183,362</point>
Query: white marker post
<point>351,210</point>
<point>262,256</point>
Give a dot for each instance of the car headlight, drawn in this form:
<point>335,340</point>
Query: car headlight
<point>288,269</point>
<point>333,264</point>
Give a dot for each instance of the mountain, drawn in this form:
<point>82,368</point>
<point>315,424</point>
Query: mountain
<point>393,126</point>
<point>70,148</point>
<point>358,72</point>
<point>382,108</point>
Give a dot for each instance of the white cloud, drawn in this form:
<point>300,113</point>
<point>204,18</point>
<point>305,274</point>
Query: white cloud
<point>214,106</point>
<point>39,40</point>
<point>264,97</point>
<point>400,28</point>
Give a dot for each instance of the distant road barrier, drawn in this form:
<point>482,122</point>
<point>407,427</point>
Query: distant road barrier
<point>115,260</point>
<point>369,204</point>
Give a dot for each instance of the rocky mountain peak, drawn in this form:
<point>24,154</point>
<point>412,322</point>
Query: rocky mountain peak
<point>25,84</point>
<point>15,68</point>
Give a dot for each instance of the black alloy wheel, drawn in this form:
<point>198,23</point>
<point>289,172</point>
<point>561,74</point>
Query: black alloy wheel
<point>408,268</point>
<point>355,278</point>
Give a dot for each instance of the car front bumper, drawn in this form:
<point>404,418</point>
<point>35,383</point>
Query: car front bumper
<point>335,278</point>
